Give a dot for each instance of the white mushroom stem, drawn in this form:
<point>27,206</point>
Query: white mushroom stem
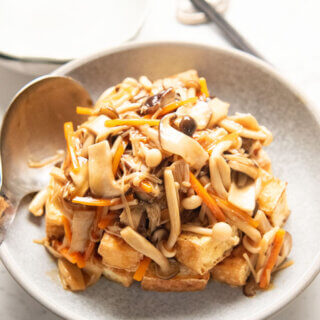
<point>197,229</point>
<point>141,244</point>
<point>219,169</point>
<point>38,202</point>
<point>173,207</point>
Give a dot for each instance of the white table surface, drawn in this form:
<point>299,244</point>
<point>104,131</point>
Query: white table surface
<point>285,32</point>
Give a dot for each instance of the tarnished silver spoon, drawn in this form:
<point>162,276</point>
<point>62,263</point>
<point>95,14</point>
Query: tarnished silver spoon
<point>33,129</point>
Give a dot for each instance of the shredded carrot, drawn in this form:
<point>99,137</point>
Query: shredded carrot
<point>74,257</point>
<point>67,228</point>
<point>233,137</point>
<point>275,250</point>
<point>146,186</point>
<point>68,133</point>
<point>147,116</point>
<point>117,156</point>
<point>236,211</point>
<point>144,264</point>
<point>204,87</point>
<point>86,111</point>
<point>207,199</point>
<point>175,105</point>
<point>106,221</point>
<point>131,122</point>
<point>89,250</point>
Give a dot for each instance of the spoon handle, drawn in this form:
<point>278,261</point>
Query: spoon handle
<point>7,213</point>
<point>229,31</point>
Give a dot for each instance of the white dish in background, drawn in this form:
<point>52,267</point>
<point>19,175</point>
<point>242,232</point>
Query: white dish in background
<point>39,35</point>
<point>250,86</point>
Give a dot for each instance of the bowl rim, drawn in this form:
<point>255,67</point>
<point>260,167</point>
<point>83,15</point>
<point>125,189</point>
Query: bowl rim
<point>299,286</point>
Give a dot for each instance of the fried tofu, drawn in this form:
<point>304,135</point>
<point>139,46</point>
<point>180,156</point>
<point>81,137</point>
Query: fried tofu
<point>117,275</point>
<point>273,201</point>
<point>233,270</point>
<point>202,253</point>
<point>185,280</point>
<point>54,222</point>
<point>116,253</point>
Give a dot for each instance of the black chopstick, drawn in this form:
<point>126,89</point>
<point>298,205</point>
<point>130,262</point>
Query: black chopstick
<point>232,35</point>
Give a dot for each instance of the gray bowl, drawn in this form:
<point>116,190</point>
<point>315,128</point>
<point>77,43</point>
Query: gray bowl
<point>250,86</point>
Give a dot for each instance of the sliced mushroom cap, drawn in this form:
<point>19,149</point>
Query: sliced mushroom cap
<point>247,120</point>
<point>201,112</point>
<point>80,179</point>
<point>142,245</point>
<point>173,207</point>
<point>176,142</point>
<point>101,178</point>
<point>244,165</point>
<point>219,110</point>
<point>70,276</point>
<point>153,103</point>
<point>243,197</point>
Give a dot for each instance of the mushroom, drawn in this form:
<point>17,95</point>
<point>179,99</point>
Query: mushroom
<point>70,276</point>
<point>81,225</point>
<point>141,244</point>
<point>173,207</point>
<point>220,175</point>
<point>264,225</point>
<point>243,197</point>
<point>80,179</point>
<point>244,165</point>
<point>285,249</point>
<point>101,178</point>
<point>153,103</point>
<point>201,112</point>
<point>219,110</point>
<point>38,202</point>
<point>176,142</point>
<point>246,120</point>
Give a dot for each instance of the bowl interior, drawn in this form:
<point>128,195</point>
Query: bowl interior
<point>250,87</point>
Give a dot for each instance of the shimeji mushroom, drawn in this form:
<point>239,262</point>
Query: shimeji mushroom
<point>141,244</point>
<point>176,142</point>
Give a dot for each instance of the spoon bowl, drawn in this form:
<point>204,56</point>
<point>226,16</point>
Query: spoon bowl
<point>32,130</point>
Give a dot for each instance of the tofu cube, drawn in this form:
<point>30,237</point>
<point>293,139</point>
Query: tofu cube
<point>273,201</point>
<point>233,270</point>
<point>202,253</point>
<point>185,280</point>
<point>117,275</point>
<point>116,253</point>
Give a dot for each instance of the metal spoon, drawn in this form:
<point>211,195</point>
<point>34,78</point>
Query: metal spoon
<point>33,129</point>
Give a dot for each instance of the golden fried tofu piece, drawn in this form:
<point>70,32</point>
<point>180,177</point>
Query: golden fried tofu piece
<point>185,280</point>
<point>118,275</point>
<point>233,270</point>
<point>54,222</point>
<point>202,253</point>
<point>273,201</point>
<point>116,253</point>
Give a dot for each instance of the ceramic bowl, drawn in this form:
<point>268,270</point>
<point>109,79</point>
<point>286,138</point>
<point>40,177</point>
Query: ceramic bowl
<point>250,86</point>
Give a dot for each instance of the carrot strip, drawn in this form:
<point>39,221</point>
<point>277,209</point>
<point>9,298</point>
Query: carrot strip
<point>275,250</point>
<point>117,156</point>
<point>146,186</point>
<point>131,122</point>
<point>68,133</point>
<point>175,105</point>
<point>105,222</point>
<point>89,201</point>
<point>67,228</point>
<point>86,111</point>
<point>74,257</point>
<point>204,87</point>
<point>237,212</point>
<point>89,250</point>
<point>207,199</point>
<point>144,264</point>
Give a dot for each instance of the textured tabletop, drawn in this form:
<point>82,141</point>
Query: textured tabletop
<point>285,32</point>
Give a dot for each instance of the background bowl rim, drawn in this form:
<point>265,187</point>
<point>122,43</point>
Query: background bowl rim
<point>300,285</point>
